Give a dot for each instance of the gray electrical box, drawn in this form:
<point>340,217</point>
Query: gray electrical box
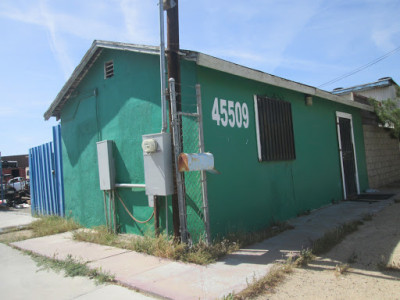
<point>157,159</point>
<point>106,165</point>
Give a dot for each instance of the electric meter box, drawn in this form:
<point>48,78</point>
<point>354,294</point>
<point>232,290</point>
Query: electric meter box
<point>106,165</point>
<point>158,164</point>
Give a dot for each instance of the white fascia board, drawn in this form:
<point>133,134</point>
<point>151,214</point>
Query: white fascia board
<point>89,54</point>
<point>128,47</point>
<point>241,71</point>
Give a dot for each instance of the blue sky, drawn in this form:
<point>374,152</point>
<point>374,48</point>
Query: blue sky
<point>307,41</point>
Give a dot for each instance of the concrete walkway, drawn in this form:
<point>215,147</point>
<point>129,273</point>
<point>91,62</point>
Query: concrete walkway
<point>176,280</point>
<point>10,217</point>
<point>20,279</point>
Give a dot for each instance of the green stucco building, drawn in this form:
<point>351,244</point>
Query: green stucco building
<point>281,147</point>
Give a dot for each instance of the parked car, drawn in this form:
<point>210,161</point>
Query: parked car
<point>17,183</point>
<point>12,196</point>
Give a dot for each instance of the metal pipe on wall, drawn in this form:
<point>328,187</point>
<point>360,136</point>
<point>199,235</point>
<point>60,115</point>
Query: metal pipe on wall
<point>114,212</point>
<point>105,208</point>
<point>166,215</point>
<point>203,173</point>
<point>130,185</point>
<point>180,184</point>
<point>162,69</point>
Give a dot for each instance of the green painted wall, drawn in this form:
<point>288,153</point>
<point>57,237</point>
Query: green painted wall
<point>248,194</point>
<point>125,108</point>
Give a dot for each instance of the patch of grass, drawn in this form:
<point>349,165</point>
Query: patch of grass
<point>48,225</point>
<point>230,296</point>
<point>71,268</point>
<point>266,284</point>
<point>97,235</point>
<point>166,247</point>
<point>334,237</point>
<point>45,225</point>
<point>341,269</point>
<point>15,236</point>
<point>275,276</point>
<point>304,258</point>
<point>161,246</point>
<point>279,272</point>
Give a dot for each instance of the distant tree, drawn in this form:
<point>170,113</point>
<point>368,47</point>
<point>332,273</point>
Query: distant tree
<point>388,112</point>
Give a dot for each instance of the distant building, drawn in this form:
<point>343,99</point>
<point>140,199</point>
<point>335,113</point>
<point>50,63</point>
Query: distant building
<point>383,89</point>
<point>381,150</point>
<point>15,165</point>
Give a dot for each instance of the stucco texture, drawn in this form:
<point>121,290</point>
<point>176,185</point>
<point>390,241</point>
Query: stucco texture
<point>247,194</point>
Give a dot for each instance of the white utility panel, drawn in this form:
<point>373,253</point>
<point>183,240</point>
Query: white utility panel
<point>158,164</point>
<point>106,165</point>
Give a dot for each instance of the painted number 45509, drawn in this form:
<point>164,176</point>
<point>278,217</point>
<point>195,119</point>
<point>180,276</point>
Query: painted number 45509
<point>229,112</point>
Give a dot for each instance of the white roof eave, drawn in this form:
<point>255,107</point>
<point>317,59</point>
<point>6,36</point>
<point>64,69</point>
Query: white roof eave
<point>201,60</point>
<point>241,71</point>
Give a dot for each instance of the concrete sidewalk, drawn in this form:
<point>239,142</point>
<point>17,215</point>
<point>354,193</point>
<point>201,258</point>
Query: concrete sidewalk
<point>10,217</point>
<point>176,280</point>
<point>20,279</point>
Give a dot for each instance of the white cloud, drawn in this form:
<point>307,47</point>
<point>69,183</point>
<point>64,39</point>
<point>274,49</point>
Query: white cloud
<point>251,32</point>
<point>88,21</point>
<point>384,37</point>
<point>56,42</point>
<point>140,19</point>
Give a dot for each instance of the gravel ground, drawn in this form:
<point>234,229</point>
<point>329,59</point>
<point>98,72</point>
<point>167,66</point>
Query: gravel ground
<point>367,252</point>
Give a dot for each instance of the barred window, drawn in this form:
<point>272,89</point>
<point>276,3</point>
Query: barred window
<point>275,138</point>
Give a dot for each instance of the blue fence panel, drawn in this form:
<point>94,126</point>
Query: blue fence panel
<point>58,167</point>
<point>46,175</point>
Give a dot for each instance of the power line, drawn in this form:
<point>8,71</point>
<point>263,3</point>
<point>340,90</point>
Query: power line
<point>361,68</point>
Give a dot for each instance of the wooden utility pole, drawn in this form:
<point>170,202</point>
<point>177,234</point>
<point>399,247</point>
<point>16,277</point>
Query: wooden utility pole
<point>173,67</point>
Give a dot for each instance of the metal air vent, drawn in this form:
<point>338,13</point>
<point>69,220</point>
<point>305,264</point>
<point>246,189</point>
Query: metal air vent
<point>108,69</point>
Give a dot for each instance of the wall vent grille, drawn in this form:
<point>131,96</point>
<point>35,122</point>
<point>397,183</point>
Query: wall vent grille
<point>108,69</point>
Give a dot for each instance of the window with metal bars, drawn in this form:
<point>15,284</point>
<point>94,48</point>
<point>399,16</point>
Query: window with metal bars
<point>108,69</point>
<point>275,138</point>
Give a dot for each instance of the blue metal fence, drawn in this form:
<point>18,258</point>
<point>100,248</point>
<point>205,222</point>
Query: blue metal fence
<point>46,177</point>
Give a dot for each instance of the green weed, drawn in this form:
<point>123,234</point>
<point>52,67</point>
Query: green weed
<point>334,237</point>
<point>166,247</point>
<point>341,269</point>
<point>304,258</point>
<point>266,284</point>
<point>71,268</point>
<point>48,225</point>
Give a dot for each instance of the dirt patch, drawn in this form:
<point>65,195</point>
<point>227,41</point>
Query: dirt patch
<point>373,256</point>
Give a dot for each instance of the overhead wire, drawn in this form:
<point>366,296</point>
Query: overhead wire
<point>375,61</point>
